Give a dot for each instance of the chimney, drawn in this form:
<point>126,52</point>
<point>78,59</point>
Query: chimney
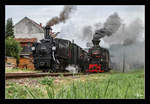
<point>41,24</point>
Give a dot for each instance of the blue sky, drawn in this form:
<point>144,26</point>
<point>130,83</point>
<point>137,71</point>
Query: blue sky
<point>84,15</point>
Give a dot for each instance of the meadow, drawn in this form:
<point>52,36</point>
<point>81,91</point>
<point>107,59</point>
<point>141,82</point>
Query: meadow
<point>111,85</point>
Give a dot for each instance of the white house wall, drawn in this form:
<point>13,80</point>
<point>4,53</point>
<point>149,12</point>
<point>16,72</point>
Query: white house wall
<point>26,28</point>
<point>39,36</point>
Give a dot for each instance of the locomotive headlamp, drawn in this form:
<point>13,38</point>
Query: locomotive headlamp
<point>53,48</point>
<point>33,48</point>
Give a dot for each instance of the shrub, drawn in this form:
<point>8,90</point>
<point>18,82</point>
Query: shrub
<point>13,48</point>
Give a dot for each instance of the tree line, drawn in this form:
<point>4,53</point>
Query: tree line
<point>13,47</point>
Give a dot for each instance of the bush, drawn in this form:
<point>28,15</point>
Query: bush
<point>13,48</point>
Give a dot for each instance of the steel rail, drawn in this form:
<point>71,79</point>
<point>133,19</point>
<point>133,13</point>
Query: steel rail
<point>32,75</point>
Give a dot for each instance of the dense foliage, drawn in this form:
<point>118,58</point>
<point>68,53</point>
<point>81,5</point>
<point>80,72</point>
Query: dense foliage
<point>13,48</point>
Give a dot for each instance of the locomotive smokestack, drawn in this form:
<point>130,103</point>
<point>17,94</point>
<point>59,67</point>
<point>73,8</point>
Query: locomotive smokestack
<point>47,30</point>
<point>96,42</point>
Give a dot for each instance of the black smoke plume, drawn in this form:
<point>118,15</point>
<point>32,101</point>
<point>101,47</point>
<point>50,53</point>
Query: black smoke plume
<point>111,25</point>
<point>127,34</point>
<point>64,15</point>
<point>88,31</point>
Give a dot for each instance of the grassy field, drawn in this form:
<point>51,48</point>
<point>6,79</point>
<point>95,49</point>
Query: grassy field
<point>112,85</point>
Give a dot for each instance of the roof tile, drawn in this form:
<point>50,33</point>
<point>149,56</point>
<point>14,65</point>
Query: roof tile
<point>26,39</point>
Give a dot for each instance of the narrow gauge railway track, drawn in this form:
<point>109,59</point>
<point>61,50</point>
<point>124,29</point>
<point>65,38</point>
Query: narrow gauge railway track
<point>32,75</point>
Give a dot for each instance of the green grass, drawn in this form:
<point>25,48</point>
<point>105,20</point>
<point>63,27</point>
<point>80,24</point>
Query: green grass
<point>47,81</point>
<point>116,86</point>
<point>15,91</point>
<point>95,86</point>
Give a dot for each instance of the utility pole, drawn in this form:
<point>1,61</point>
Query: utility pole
<point>123,26</point>
<point>123,61</point>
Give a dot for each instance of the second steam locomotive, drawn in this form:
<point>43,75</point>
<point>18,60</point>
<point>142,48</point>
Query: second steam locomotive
<point>54,54</point>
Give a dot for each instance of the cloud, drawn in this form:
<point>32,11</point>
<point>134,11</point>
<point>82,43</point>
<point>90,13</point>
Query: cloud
<point>86,15</point>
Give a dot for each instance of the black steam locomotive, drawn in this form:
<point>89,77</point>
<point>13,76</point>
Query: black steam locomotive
<point>54,54</point>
